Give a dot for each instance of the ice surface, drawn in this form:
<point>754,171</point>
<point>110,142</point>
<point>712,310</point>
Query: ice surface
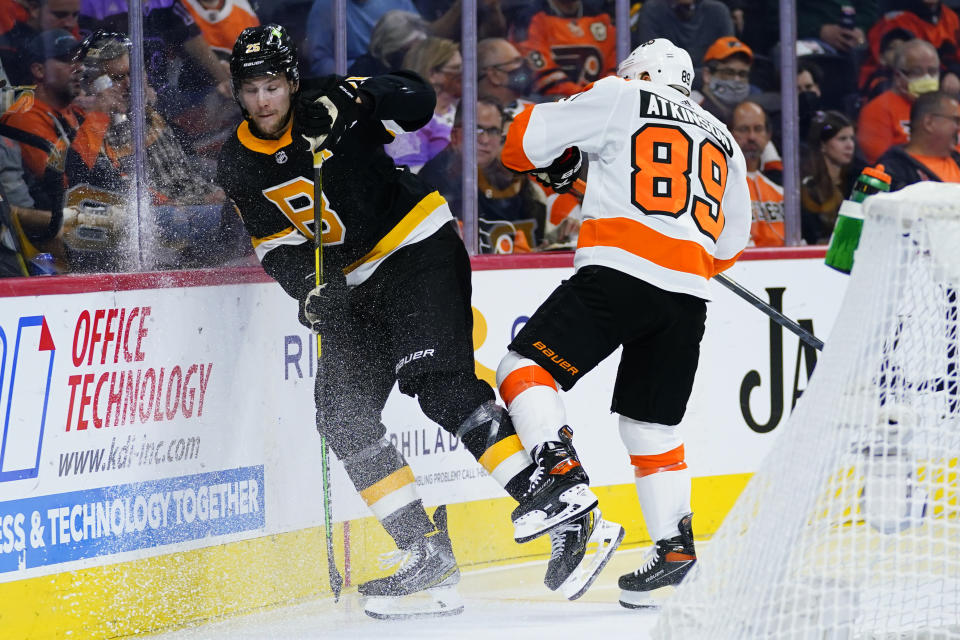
<point>507,602</point>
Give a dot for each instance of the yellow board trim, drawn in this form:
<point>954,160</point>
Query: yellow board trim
<point>261,145</point>
<point>398,234</point>
<point>499,452</point>
<point>399,478</point>
<point>175,590</point>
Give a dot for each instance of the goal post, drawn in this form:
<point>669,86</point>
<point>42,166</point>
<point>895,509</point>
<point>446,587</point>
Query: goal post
<point>851,526</point>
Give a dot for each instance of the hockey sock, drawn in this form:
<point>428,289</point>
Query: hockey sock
<point>661,474</point>
<point>386,483</point>
<point>489,435</point>
<point>530,394</point>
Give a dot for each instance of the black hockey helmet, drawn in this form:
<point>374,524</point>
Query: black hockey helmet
<point>262,50</point>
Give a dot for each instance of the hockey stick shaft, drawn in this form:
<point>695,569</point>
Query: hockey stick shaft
<point>775,315</point>
<point>336,579</point>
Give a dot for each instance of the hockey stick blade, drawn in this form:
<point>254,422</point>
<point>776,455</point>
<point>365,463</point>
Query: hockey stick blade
<point>775,315</point>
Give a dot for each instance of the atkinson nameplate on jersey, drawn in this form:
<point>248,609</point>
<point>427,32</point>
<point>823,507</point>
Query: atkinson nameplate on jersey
<point>656,106</point>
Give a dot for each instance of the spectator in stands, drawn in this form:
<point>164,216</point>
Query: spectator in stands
<point>24,230</point>
<point>395,32</point>
<point>726,77</point>
<point>445,18</point>
<point>362,16</point>
<point>931,153</point>
<point>841,25</point>
<point>48,121</point>
<point>511,207</point>
<point>14,11</point>
<point>504,75</point>
<point>751,129</point>
<point>690,24</point>
<point>876,76</point>
<point>220,22</point>
<point>438,61</point>
<point>170,173</point>
<point>929,20</point>
<point>180,64</point>
<point>568,43</point>
<point>829,171</point>
<point>809,77</point>
<point>205,117</point>
<point>44,15</point>
<point>884,121</point>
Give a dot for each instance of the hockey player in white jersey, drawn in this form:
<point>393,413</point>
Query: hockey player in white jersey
<point>666,208</point>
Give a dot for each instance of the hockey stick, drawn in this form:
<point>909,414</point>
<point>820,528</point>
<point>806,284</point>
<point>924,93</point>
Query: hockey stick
<point>578,188</point>
<point>775,315</point>
<point>336,580</point>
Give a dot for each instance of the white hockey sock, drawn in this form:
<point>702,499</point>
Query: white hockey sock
<point>662,477</point>
<point>531,396</point>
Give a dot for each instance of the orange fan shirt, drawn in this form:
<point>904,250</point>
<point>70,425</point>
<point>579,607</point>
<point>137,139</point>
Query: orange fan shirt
<point>766,201</point>
<point>944,32</point>
<point>567,53</point>
<point>220,27</point>
<point>11,12</point>
<point>945,168</point>
<point>884,122</point>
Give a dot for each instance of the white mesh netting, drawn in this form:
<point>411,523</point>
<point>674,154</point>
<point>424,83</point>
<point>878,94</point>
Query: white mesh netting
<point>851,526</point>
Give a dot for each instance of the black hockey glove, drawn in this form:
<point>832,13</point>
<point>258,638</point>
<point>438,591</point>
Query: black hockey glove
<point>324,113</point>
<point>321,306</point>
<point>562,172</point>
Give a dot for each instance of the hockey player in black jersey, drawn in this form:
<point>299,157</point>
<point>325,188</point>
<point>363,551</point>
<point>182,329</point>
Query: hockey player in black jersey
<point>396,303</point>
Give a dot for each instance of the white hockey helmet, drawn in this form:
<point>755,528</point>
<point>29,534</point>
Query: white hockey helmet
<point>665,62</point>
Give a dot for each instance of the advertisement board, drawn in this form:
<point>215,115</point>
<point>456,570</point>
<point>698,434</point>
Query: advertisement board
<point>144,421</point>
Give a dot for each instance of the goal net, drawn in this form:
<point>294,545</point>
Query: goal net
<point>851,526</point>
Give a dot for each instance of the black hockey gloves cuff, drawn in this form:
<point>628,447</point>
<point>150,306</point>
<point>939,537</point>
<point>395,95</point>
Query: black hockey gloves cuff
<point>325,112</point>
<point>562,172</point>
<point>321,305</point>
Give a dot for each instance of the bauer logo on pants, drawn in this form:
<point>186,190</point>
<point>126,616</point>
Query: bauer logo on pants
<point>423,353</point>
<point>560,361</point>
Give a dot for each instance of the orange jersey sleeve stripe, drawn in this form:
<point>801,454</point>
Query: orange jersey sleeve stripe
<point>522,379</point>
<point>672,460</point>
<point>642,241</point>
<point>513,155</point>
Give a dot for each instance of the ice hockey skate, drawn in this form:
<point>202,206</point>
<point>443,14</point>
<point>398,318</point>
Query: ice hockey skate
<point>558,492</point>
<point>570,569</point>
<point>424,584</point>
<point>665,565</point>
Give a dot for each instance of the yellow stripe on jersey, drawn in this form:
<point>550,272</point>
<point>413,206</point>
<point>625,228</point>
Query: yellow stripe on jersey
<point>263,246</point>
<point>395,237</point>
<point>396,480</point>
<point>260,145</point>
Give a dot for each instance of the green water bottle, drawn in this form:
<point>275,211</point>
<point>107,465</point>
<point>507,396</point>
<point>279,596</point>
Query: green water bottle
<point>846,233</point>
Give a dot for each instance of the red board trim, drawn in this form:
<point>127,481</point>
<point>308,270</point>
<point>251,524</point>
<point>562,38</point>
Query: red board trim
<point>89,283</point>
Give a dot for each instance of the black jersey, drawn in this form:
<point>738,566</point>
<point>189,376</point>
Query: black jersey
<point>370,206</point>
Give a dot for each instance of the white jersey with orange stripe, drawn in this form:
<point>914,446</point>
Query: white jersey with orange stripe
<point>666,199</point>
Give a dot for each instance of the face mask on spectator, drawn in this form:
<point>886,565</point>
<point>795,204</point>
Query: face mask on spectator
<point>808,103</point>
<point>520,79</point>
<point>923,84</point>
<point>729,92</point>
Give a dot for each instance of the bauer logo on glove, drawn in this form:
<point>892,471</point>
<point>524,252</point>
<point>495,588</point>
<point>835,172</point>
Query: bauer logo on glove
<point>562,172</point>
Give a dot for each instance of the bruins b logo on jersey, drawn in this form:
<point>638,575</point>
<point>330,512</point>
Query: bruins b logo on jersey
<point>294,198</point>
